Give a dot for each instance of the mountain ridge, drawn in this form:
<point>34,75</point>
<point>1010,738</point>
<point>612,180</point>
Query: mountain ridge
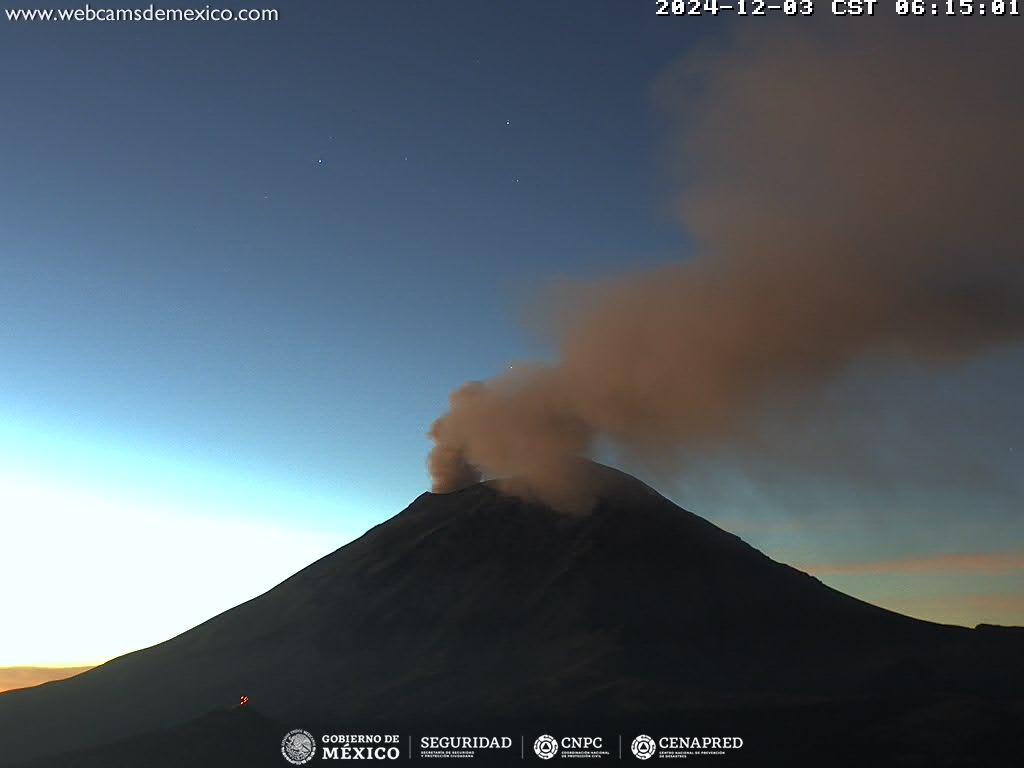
<point>476,606</point>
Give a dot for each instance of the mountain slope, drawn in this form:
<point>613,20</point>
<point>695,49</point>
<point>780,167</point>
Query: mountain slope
<point>475,607</point>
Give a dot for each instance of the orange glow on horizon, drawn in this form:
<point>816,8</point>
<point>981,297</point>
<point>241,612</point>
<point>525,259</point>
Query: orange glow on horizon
<point>12,678</point>
<point>991,562</point>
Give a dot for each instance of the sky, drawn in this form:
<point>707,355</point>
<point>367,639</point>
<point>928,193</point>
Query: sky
<point>243,265</point>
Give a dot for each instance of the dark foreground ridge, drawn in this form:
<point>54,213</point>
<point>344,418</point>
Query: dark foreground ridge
<point>474,612</point>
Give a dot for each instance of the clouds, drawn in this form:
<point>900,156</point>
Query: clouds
<point>853,194</point>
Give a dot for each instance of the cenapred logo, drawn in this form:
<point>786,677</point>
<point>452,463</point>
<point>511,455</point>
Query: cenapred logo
<point>644,747</point>
<point>546,747</point>
<point>298,746</point>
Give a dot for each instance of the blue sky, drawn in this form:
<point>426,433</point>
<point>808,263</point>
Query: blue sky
<point>181,270</point>
<point>243,265</point>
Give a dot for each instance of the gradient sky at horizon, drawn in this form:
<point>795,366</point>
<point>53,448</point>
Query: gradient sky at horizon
<point>242,266</point>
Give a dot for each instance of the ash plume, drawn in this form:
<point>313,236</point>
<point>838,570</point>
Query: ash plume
<point>853,198</point>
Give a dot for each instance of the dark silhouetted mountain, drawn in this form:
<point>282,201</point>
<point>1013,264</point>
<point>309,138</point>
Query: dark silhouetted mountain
<point>232,737</point>
<point>478,610</point>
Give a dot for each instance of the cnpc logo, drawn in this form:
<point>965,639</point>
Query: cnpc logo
<point>581,742</point>
<point>547,746</point>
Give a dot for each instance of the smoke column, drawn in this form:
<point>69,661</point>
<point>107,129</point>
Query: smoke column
<point>853,197</point>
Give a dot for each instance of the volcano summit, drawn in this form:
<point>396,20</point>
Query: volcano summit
<point>474,610</point>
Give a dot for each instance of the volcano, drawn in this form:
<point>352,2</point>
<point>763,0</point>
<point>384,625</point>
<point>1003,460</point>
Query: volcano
<point>478,610</point>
